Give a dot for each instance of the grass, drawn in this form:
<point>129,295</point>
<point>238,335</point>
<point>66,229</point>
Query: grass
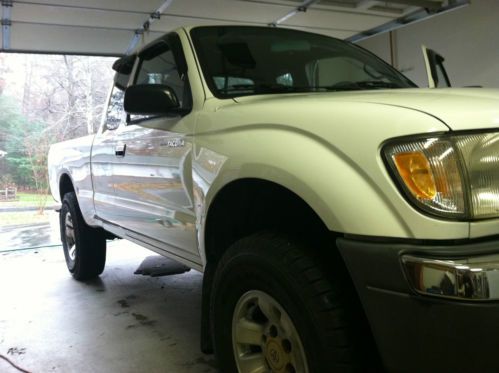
<point>30,197</point>
<point>25,217</point>
<point>29,200</point>
<point>12,218</point>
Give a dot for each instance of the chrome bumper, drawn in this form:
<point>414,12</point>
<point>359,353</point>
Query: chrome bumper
<point>472,279</point>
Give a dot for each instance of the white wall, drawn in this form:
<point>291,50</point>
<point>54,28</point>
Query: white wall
<point>468,39</point>
<point>379,45</point>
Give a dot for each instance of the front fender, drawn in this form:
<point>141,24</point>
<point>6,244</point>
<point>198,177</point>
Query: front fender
<point>341,194</point>
<point>336,170</point>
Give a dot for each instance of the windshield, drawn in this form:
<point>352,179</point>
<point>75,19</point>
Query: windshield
<point>241,61</point>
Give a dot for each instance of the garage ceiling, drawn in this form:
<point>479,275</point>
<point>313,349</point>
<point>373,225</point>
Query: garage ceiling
<point>110,27</point>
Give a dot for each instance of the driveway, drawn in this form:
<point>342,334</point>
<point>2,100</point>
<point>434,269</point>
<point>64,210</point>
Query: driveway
<point>30,235</point>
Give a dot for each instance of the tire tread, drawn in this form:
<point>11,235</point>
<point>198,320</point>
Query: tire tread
<point>321,296</point>
<point>91,243</point>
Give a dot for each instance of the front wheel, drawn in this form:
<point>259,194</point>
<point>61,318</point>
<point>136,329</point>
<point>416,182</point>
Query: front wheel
<point>275,309</point>
<point>84,247</point>
<point>264,336</point>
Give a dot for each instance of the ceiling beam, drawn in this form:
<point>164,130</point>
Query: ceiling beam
<point>330,9</point>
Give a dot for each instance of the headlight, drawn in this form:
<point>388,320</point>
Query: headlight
<point>451,176</point>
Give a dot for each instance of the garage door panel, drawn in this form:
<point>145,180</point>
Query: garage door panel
<point>166,24</point>
<point>42,38</point>
<point>324,31</point>
<point>146,6</point>
<point>107,26</point>
<point>338,21</point>
<point>81,17</point>
<point>230,10</point>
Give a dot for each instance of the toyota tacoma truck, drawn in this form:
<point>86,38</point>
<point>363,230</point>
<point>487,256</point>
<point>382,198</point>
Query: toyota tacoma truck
<point>344,219</point>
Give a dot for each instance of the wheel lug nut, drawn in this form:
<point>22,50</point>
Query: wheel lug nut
<point>273,331</point>
<point>286,346</point>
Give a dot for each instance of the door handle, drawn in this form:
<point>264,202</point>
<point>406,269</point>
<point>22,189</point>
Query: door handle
<point>120,150</point>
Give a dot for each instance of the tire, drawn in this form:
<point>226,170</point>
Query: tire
<point>266,282</point>
<point>84,247</point>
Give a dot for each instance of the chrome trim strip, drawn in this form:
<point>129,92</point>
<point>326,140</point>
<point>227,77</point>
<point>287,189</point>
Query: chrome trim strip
<point>469,279</point>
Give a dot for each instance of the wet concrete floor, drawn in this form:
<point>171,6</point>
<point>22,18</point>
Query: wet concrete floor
<point>24,236</point>
<point>120,322</point>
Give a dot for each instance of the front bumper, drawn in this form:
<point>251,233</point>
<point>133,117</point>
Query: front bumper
<point>430,307</point>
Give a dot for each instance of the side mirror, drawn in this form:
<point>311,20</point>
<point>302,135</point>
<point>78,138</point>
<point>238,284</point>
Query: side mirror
<point>150,99</point>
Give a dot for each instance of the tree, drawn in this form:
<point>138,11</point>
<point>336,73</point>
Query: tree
<point>13,126</point>
<point>47,99</point>
<point>26,146</point>
<point>69,92</point>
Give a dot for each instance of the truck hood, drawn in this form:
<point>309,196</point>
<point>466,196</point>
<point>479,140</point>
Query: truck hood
<point>459,109</point>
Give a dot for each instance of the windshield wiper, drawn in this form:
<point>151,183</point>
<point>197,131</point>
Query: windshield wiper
<point>269,88</point>
<point>280,88</point>
<point>362,85</point>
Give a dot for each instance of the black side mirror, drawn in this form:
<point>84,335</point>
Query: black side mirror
<point>150,99</point>
<point>124,65</point>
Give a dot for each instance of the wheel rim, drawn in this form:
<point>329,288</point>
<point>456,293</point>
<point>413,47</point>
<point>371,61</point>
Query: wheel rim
<point>264,338</point>
<point>69,233</point>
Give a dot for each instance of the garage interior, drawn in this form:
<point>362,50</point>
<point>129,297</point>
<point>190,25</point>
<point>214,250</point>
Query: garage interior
<point>108,27</point>
<point>126,322</point>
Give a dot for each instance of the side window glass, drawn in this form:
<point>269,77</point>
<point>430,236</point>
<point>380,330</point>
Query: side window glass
<point>330,71</point>
<point>234,84</point>
<point>285,79</point>
<point>158,66</point>
<point>116,114</point>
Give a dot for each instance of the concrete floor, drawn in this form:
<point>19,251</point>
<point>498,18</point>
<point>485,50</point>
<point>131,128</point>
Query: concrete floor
<point>120,322</point>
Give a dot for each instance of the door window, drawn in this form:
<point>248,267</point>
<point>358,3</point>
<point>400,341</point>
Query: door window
<point>329,72</point>
<point>159,66</point>
<point>115,114</point>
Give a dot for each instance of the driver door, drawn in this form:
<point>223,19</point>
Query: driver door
<point>152,172</point>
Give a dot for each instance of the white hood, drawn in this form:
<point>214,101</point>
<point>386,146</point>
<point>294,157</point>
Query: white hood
<point>459,109</point>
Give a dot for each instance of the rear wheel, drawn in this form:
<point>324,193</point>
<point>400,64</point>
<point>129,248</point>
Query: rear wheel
<point>275,309</point>
<point>84,247</point>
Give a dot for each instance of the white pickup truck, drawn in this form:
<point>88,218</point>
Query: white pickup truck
<point>344,219</point>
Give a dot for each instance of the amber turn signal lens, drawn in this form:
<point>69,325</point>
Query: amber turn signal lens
<point>415,171</point>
